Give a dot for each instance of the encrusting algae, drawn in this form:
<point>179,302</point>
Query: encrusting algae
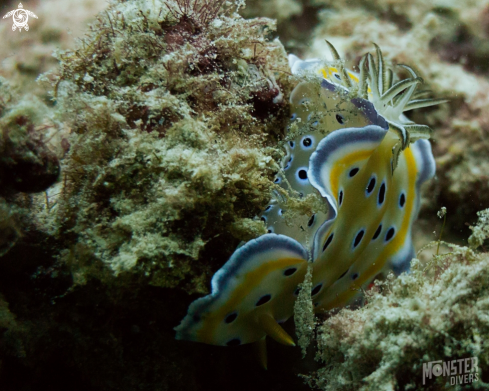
<point>170,112</point>
<point>436,312</point>
<point>27,163</point>
<point>166,124</point>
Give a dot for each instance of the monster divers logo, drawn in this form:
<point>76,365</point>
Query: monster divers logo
<point>20,17</point>
<point>463,371</point>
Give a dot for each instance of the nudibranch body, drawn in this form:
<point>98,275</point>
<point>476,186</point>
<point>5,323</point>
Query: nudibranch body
<point>264,271</point>
<point>375,210</point>
<point>350,144</point>
<point>317,109</point>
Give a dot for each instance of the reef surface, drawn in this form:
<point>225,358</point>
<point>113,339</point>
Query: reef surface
<point>162,128</point>
<point>134,166</point>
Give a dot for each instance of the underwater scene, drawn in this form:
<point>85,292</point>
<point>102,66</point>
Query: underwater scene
<point>244,195</point>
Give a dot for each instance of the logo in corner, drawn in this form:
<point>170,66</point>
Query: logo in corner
<point>466,372</point>
<point>20,17</point>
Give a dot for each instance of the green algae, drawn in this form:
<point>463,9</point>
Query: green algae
<point>438,312</point>
<point>480,232</point>
<point>171,115</point>
<point>305,321</point>
<point>166,123</point>
<point>27,161</point>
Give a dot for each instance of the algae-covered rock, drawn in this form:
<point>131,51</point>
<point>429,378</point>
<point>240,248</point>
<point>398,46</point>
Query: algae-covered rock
<point>439,313</point>
<point>28,163</point>
<point>166,120</point>
<point>170,111</point>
